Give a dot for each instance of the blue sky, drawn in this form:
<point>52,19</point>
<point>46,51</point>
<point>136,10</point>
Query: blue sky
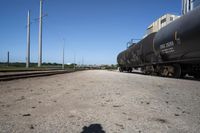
<point>95,30</point>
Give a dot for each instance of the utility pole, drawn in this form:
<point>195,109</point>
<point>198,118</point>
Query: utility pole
<point>63,65</point>
<point>8,58</point>
<point>28,41</point>
<point>40,35</point>
<point>74,61</point>
<point>82,61</point>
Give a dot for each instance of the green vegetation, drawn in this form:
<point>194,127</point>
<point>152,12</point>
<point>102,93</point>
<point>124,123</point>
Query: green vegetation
<point>19,66</point>
<point>109,67</point>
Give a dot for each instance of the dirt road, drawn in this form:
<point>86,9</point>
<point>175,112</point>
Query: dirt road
<point>98,100</point>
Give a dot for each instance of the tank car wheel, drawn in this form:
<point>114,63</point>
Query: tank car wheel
<point>177,71</point>
<point>120,69</point>
<point>130,70</point>
<point>170,71</point>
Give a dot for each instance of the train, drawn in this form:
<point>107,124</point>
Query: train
<point>173,51</point>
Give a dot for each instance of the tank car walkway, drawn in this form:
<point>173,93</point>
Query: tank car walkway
<point>102,101</point>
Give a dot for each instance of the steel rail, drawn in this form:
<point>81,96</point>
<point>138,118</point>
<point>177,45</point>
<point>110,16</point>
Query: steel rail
<point>14,76</point>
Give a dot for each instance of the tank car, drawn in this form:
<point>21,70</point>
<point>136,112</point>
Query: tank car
<point>173,51</point>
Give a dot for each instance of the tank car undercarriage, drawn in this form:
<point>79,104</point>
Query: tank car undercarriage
<point>167,70</point>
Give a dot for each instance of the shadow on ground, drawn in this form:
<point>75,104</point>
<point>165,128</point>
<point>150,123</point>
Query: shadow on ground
<point>185,77</point>
<point>93,128</point>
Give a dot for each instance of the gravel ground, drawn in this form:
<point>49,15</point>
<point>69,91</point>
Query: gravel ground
<point>98,100</point>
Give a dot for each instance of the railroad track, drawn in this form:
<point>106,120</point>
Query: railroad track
<point>13,76</point>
